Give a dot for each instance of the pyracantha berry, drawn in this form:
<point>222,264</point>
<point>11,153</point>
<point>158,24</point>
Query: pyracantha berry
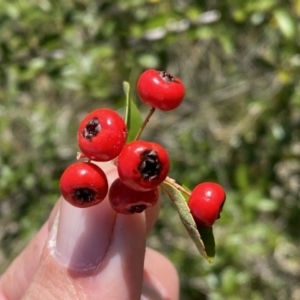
<point>125,200</point>
<point>143,165</point>
<point>206,202</point>
<point>83,184</point>
<point>160,89</point>
<point>102,135</point>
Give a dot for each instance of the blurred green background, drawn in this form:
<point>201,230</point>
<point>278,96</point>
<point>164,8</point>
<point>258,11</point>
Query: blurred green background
<point>239,124</point>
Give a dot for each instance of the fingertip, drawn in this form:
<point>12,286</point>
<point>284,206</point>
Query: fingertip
<point>161,280</point>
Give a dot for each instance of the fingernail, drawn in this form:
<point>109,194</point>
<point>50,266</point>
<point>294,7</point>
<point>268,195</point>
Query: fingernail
<point>83,235</point>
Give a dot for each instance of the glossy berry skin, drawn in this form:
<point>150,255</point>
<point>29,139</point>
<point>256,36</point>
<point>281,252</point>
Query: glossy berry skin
<point>102,135</point>
<point>160,89</point>
<point>124,200</point>
<point>83,184</point>
<point>143,165</point>
<point>206,202</point>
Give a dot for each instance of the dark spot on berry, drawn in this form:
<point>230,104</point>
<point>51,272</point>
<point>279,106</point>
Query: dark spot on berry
<point>91,129</point>
<point>166,76</point>
<point>137,208</point>
<point>84,195</point>
<point>150,166</point>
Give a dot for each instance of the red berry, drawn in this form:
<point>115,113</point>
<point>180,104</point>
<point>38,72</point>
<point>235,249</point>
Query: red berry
<point>124,200</point>
<point>142,165</point>
<point>206,202</point>
<point>160,89</point>
<point>83,184</point>
<point>102,135</point>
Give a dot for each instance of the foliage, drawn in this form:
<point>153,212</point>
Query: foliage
<point>239,124</point>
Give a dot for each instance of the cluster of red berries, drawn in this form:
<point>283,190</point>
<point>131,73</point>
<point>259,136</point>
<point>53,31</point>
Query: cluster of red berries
<point>142,165</point>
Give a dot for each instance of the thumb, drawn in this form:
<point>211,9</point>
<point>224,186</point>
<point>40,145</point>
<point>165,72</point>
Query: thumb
<point>92,253</point>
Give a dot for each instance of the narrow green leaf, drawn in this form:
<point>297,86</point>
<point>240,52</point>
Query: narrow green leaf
<point>186,197</point>
<point>126,88</point>
<point>205,246</point>
<point>133,118</point>
<point>208,239</point>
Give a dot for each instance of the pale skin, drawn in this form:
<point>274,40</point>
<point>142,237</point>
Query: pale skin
<point>95,264</point>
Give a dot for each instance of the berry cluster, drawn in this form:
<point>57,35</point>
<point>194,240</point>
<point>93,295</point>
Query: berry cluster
<point>142,165</point>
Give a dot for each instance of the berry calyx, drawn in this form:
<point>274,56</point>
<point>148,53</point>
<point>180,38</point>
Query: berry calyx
<point>160,89</point>
<point>83,184</point>
<point>125,200</point>
<point>206,202</point>
<point>143,165</point>
<point>102,135</point>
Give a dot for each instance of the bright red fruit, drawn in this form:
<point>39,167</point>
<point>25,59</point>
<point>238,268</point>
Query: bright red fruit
<point>160,89</point>
<point>102,135</point>
<point>143,165</point>
<point>124,200</point>
<point>83,184</point>
<point>206,202</point>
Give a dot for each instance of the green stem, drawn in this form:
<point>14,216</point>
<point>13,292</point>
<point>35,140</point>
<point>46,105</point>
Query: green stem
<point>151,112</point>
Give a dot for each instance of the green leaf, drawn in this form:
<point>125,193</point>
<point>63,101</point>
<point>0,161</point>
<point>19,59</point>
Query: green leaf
<point>133,117</point>
<point>208,239</point>
<point>126,88</point>
<point>205,244</point>
<point>186,197</point>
